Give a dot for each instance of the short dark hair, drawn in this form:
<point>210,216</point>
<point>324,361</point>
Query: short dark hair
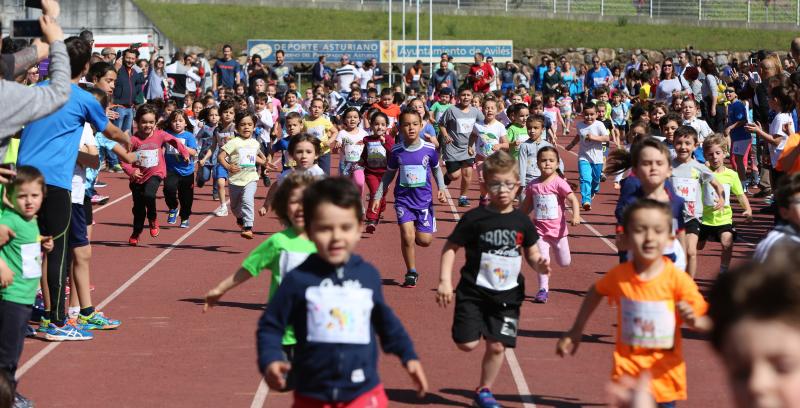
<point>281,201</point>
<point>789,186</point>
<point>146,109</point>
<point>684,130</point>
<point>339,191</point>
<point>87,35</point>
<point>227,104</point>
<point>293,116</point>
<point>133,51</point>
<point>537,118</point>
<point>280,52</point>
<point>80,52</point>
<point>644,204</point>
<point>99,70</point>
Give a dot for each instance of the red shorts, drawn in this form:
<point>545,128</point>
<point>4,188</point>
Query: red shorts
<point>374,398</point>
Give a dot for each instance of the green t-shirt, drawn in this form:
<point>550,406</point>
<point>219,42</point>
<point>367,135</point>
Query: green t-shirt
<point>281,253</point>
<point>438,109</point>
<point>513,133</point>
<point>23,254</point>
<point>732,186</point>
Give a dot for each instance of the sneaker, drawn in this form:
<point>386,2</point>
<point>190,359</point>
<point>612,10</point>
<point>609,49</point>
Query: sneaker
<point>485,399</point>
<point>99,199</point>
<point>154,230</point>
<point>221,211</point>
<point>185,223</point>
<point>98,321</point>
<point>247,234</point>
<point>69,332</point>
<point>463,202</point>
<point>29,331</point>
<point>215,196</point>
<point>133,240</point>
<point>587,206</point>
<point>371,227</point>
<point>762,193</point>
<point>43,325</point>
<point>541,296</point>
<point>22,402</point>
<point>410,280</point>
<point>172,216</point>
<point>117,168</point>
<point>100,184</point>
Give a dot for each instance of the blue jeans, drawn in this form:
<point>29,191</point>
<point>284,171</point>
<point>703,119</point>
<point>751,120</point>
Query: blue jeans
<point>325,163</point>
<point>590,179</point>
<point>104,152</point>
<point>125,119</point>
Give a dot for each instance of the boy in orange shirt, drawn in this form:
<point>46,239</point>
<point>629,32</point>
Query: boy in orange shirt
<point>654,298</point>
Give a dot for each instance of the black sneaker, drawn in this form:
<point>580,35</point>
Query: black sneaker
<point>410,280</point>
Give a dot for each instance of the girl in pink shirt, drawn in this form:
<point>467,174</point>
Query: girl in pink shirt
<point>545,201</point>
<point>149,169</point>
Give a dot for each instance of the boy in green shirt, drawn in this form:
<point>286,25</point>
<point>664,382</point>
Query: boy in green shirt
<point>20,266</point>
<point>718,225</point>
<point>517,132</point>
<point>441,106</point>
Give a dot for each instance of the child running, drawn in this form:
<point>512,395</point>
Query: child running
<point>413,195</point>
<point>456,126</point>
<point>224,132</point>
<point>517,132</point>
<point>653,299</point>
<point>334,300</point>
<point>717,224</point>
<point>545,199</point>
<point>321,127</point>
<point>179,184</point>
<point>239,157</point>
<point>529,150</point>
<point>209,119</point>
<point>21,269</point>
<point>350,141</point>
<point>489,295</point>
<point>489,137</point>
<point>374,159</point>
<point>304,149</point>
<point>591,135</point>
<point>148,170</point>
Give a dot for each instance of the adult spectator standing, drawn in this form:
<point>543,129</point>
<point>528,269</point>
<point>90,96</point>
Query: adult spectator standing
<point>712,102</point>
<point>768,67</point>
<point>446,57</point>
<point>205,68</point>
<point>377,72</point>
<point>184,76</point>
<point>442,78</point>
<point>365,73</point>
<point>51,145</point>
<point>318,72</point>
<point>507,77</point>
<point>281,72</point>
<point>128,87</point>
<point>345,75</point>
<point>413,78</point>
<point>683,62</point>
<point>256,70</point>
<point>226,70</point>
<point>480,74</point>
<point>109,55</point>
<point>597,76</point>
<point>670,83</point>
<point>538,73</point>
<point>156,78</point>
<point>633,65</point>
<point>493,83</point>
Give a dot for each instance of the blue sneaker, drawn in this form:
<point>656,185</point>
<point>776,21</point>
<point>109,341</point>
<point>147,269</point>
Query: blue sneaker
<point>185,223</point>
<point>30,331</point>
<point>485,399</point>
<point>172,218</point>
<point>71,331</point>
<point>98,321</point>
<point>463,202</point>
<point>44,324</point>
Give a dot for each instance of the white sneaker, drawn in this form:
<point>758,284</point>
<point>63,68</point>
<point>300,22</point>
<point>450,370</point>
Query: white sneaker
<point>222,211</point>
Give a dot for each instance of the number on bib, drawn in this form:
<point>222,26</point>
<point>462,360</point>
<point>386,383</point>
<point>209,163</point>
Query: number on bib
<point>247,157</point>
<point>352,152</point>
<point>546,206</point>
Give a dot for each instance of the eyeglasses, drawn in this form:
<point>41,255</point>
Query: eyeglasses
<point>667,65</point>
<point>497,187</point>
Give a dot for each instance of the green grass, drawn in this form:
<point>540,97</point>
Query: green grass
<point>210,26</point>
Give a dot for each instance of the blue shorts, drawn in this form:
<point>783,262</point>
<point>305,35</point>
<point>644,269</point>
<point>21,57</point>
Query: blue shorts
<point>220,172</point>
<point>424,220</point>
<point>78,234</point>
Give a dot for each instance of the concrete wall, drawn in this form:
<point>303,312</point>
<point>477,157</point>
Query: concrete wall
<point>103,17</point>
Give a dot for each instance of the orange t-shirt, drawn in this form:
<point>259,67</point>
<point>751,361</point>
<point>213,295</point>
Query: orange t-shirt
<point>791,144</point>
<point>393,112</point>
<point>649,325</point>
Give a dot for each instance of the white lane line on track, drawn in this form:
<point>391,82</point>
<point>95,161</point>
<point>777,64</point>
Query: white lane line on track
<point>516,371</point>
<point>52,346</point>
<point>104,206</point>
<point>261,395</point>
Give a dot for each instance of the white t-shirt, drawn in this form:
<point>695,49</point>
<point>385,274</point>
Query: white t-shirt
<point>776,128</point>
<point>591,151</point>
<point>701,127</point>
<point>314,171</point>
<point>352,144</point>
<point>488,136</point>
<point>79,173</point>
<point>366,76</point>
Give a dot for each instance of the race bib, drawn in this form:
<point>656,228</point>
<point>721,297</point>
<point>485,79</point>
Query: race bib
<point>317,131</point>
<point>465,125</point>
<point>31,260</point>
<point>247,157</point>
<point>546,206</point>
<point>488,141</point>
<point>147,158</point>
<point>415,78</point>
<point>710,196</point>
<point>172,150</point>
<point>498,272</point>
<point>686,188</point>
<point>352,152</point>
<point>648,324</point>
<point>337,314</point>
<point>413,175</point>
<point>289,260</point>
<point>376,155</point>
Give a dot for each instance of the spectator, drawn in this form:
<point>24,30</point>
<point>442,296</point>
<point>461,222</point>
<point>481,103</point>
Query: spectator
<point>683,62</point>
<point>480,74</point>
<point>377,72</point>
<point>127,89</point>
<point>507,77</point>
<point>109,55</point>
<point>670,83</point>
<point>185,77</point>
<point>345,76</point>
<point>318,72</point>
<point>443,77</point>
<point>281,72</point>
<point>256,70</point>
<point>226,70</point>
<point>598,76</point>
<point>155,79</point>
<point>413,77</point>
<point>365,72</point>
<point>713,112</point>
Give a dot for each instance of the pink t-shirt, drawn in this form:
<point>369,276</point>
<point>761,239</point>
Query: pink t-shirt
<point>549,206</point>
<point>150,155</point>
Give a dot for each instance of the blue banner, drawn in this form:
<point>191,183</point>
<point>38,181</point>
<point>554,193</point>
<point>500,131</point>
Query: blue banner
<point>462,51</point>
<point>308,51</point>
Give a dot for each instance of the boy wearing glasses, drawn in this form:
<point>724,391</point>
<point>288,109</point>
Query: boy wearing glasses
<point>488,297</point>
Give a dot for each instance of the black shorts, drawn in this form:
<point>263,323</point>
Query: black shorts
<point>692,226</point>
<point>477,315</point>
<point>714,233</point>
<point>78,234</point>
<point>454,166</point>
<point>88,210</point>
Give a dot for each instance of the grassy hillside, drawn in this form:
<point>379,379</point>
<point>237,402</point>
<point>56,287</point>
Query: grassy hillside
<point>210,26</point>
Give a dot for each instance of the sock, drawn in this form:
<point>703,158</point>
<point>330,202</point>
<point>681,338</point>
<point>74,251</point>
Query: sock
<point>87,311</point>
<point>46,315</point>
<point>411,271</point>
<point>72,311</point>
<point>544,282</point>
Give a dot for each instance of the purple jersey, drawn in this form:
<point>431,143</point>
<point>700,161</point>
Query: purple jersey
<point>413,186</point>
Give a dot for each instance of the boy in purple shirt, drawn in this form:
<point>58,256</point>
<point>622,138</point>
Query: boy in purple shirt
<point>413,195</point>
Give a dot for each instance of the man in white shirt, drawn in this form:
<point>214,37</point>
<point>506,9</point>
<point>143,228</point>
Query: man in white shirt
<point>345,76</point>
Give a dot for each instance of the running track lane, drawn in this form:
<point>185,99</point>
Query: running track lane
<point>169,354</point>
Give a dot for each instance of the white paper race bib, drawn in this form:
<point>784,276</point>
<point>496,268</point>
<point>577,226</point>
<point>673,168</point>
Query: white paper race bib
<point>710,196</point>
<point>31,260</point>
<point>352,152</point>
<point>173,150</point>
<point>337,314</point>
<point>498,272</point>
<point>546,206</point>
<point>686,187</point>
<point>648,324</point>
<point>247,156</point>
<point>487,143</point>
<point>147,158</point>
<point>289,260</point>
<point>376,155</point>
<point>413,175</point>
<point>465,125</point>
<point>415,78</point>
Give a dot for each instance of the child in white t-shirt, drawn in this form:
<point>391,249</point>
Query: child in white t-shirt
<point>488,137</point>
<point>591,134</point>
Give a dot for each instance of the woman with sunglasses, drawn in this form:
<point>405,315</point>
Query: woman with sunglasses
<point>670,83</point>
<point>156,78</point>
<point>32,76</point>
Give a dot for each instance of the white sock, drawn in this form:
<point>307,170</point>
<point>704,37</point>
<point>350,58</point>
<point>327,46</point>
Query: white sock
<point>73,311</point>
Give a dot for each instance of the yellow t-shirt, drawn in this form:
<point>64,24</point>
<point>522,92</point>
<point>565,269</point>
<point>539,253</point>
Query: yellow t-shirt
<point>242,152</point>
<point>644,93</point>
<point>649,325</point>
<point>319,127</point>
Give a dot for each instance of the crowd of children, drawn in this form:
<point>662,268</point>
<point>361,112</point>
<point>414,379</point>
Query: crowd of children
<point>669,162</point>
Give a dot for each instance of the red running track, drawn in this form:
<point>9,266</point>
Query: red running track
<point>168,353</point>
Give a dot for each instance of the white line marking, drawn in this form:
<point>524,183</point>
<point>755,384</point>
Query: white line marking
<point>52,346</point>
<point>261,395</point>
<point>103,207</point>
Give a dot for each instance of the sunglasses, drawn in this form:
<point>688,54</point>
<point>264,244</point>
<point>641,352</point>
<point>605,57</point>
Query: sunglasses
<point>667,65</point>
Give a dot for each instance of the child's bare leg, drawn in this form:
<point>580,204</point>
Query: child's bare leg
<point>726,239</point>
<point>492,361</point>
<point>80,276</point>
<point>45,288</point>
<point>407,238</point>
<point>221,190</point>
<point>423,239</point>
<point>466,180</point>
<point>691,254</point>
